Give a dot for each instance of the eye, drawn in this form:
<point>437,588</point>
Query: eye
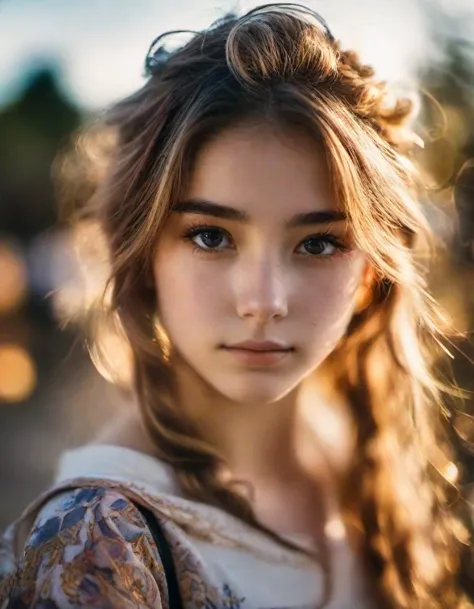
<point>320,245</point>
<point>209,238</point>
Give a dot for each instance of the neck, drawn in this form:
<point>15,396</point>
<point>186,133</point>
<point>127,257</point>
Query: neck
<point>255,440</point>
<point>271,442</point>
<point>281,450</point>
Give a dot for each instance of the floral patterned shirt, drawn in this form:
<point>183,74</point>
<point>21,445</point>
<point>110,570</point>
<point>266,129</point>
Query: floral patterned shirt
<point>85,543</point>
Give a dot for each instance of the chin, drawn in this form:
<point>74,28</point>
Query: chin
<point>256,391</point>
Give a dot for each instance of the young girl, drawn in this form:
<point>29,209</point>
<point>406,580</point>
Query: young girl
<point>265,244</point>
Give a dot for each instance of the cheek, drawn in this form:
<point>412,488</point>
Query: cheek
<point>188,290</point>
<point>329,298</point>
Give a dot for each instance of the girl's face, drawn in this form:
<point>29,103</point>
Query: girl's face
<point>256,272</point>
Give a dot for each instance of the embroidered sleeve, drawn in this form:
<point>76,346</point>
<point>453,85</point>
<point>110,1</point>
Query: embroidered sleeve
<point>90,548</point>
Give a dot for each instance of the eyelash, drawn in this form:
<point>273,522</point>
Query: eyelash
<point>194,230</point>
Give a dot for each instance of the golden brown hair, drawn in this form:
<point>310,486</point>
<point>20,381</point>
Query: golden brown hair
<point>280,65</point>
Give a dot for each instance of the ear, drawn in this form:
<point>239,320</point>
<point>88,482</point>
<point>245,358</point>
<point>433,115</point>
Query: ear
<point>365,291</point>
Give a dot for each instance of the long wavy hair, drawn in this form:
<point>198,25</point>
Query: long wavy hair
<point>279,64</point>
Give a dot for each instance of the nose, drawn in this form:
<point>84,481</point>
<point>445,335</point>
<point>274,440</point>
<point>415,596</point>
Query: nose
<point>261,291</point>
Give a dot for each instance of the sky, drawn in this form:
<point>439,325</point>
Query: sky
<point>99,45</point>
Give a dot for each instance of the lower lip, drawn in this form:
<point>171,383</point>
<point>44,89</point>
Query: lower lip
<point>258,358</point>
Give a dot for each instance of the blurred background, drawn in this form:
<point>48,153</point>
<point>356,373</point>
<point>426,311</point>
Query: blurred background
<point>61,62</point>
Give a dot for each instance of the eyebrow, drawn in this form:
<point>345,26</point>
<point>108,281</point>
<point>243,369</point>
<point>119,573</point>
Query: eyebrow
<point>209,208</point>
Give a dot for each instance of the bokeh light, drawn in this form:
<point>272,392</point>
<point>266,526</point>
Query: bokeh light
<point>13,278</point>
<point>17,373</point>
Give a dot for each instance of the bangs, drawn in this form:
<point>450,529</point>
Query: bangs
<point>376,187</point>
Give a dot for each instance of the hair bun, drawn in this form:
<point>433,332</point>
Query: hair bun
<point>281,42</point>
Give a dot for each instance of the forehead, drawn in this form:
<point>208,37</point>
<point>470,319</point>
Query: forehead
<point>264,172</point>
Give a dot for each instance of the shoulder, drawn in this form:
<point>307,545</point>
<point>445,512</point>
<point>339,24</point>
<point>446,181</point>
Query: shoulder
<point>73,507</point>
<point>89,547</point>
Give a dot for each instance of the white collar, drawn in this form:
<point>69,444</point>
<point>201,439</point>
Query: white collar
<point>117,463</point>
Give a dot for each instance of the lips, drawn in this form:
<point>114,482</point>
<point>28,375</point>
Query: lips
<point>259,346</point>
<point>259,354</point>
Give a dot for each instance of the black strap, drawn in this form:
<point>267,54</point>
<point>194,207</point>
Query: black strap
<point>174,596</point>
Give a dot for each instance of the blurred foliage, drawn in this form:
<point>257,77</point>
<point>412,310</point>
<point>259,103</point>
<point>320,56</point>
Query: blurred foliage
<point>32,128</point>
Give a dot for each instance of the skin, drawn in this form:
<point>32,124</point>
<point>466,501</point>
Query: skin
<point>253,285</point>
<point>263,280</point>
